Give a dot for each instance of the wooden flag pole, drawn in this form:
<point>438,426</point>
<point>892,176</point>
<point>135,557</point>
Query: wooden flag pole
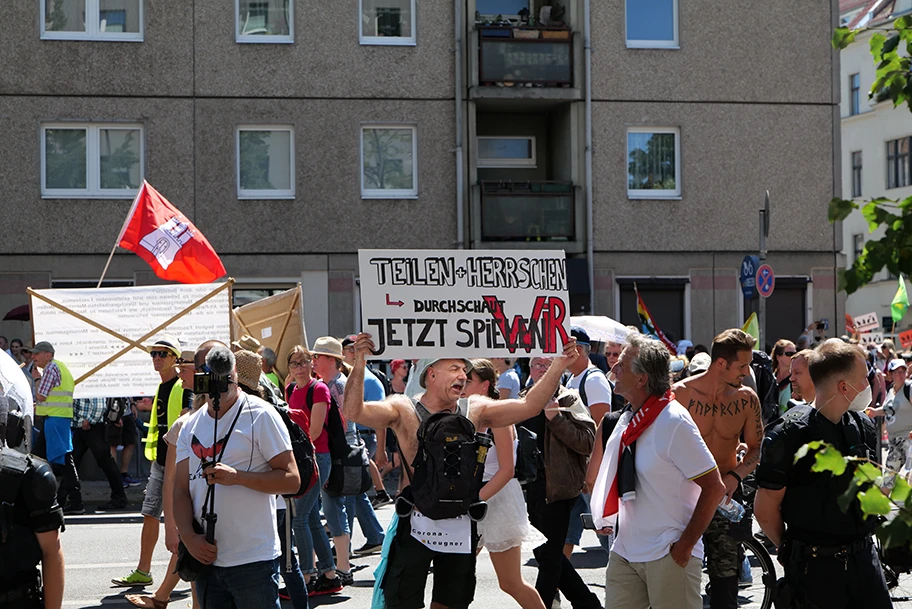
<point>288,315</point>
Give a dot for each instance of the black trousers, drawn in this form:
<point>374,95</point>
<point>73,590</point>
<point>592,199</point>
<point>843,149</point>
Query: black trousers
<point>69,491</point>
<point>94,439</point>
<point>554,569</point>
<point>837,583</point>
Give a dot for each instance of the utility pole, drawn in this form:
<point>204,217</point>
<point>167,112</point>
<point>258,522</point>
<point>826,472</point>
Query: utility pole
<point>764,233</point>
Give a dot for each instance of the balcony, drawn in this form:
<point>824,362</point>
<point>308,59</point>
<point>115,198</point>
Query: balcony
<point>524,62</point>
<point>527,211</point>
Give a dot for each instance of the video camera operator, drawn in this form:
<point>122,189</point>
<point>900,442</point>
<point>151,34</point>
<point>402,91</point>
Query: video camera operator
<point>30,520</point>
<point>238,444</point>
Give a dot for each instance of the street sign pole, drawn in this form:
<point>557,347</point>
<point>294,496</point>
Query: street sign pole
<point>764,233</point>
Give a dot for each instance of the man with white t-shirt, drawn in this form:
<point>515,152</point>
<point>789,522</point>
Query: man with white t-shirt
<point>253,463</point>
<point>658,485</point>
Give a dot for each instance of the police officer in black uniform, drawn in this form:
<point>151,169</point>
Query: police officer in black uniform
<point>828,554</point>
<point>30,521</point>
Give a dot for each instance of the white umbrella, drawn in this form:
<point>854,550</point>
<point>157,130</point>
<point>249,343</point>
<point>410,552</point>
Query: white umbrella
<point>15,385</point>
<point>601,328</point>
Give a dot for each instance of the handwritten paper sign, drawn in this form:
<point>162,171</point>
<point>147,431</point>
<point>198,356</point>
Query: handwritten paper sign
<point>868,321</point>
<point>905,339</point>
<point>870,338</point>
<point>464,303</point>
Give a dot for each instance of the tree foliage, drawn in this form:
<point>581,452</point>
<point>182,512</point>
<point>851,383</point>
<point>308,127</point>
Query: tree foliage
<point>891,49</point>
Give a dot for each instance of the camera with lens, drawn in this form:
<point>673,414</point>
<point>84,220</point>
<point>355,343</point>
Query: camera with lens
<point>208,383</point>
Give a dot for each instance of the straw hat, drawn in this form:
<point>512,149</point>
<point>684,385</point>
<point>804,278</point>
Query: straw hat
<point>166,342</point>
<point>327,345</point>
<point>248,368</point>
<point>246,343</point>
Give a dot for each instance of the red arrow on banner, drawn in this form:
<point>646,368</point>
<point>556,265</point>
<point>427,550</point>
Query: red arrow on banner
<point>393,303</point>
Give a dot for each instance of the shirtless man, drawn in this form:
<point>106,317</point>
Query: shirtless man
<point>725,412</point>
<point>443,380</point>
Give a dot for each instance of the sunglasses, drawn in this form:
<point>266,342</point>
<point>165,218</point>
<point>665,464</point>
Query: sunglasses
<point>790,353</point>
<point>299,364</point>
<point>161,354</point>
<point>613,354</point>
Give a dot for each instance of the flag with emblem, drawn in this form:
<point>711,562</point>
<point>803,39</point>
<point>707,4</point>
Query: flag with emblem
<point>160,234</point>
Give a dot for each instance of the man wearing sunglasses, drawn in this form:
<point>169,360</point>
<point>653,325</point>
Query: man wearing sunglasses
<point>171,400</point>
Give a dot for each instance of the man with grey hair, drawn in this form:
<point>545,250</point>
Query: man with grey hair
<point>657,485</point>
<point>269,361</point>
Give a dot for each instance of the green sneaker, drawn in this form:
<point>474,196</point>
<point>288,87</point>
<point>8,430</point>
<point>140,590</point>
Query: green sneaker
<point>135,579</point>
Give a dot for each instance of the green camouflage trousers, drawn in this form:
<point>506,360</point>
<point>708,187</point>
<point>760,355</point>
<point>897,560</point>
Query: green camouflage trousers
<point>721,548</point>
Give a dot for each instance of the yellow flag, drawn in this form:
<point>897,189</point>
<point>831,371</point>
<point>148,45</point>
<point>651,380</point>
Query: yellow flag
<point>752,326</point>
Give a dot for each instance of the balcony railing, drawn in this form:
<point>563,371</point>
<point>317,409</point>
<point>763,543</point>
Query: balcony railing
<point>527,211</point>
<point>525,56</point>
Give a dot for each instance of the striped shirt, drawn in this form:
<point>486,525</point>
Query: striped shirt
<point>49,380</point>
<point>90,409</point>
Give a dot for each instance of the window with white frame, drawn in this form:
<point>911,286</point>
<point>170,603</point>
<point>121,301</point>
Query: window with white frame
<point>506,151</point>
<point>652,24</point>
<point>856,174</point>
<point>653,163</point>
<point>387,22</point>
<point>91,160</point>
<point>264,20</point>
<point>265,162</point>
<point>92,20</point>
<point>388,161</point>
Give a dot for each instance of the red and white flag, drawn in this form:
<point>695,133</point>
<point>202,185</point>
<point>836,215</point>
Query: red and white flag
<point>160,234</point>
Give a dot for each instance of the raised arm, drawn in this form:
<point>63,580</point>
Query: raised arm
<point>493,413</point>
<point>372,414</point>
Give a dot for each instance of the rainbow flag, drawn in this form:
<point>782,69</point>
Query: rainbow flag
<point>648,324</point>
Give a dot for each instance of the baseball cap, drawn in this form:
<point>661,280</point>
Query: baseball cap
<point>348,340</point>
<point>427,363</point>
<point>581,336</point>
<point>699,363</point>
<point>675,365</point>
<point>896,363</point>
<point>167,342</point>
<point>42,347</point>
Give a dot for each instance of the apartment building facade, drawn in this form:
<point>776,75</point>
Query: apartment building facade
<point>637,136</point>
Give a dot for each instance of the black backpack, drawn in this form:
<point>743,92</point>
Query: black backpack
<point>767,388</point>
<point>617,401</point>
<point>350,472</point>
<point>384,380</point>
<point>448,466</point>
<point>528,457</point>
<point>303,450</point>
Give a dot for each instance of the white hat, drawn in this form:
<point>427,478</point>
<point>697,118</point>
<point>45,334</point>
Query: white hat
<point>896,363</point>
<point>700,363</point>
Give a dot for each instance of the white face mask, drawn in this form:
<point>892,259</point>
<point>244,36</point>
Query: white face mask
<point>862,400</point>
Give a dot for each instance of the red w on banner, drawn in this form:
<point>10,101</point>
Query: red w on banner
<point>160,234</point>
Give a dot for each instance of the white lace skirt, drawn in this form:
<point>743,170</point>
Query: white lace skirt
<point>506,525</point>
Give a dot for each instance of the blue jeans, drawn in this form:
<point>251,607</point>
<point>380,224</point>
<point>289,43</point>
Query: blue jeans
<point>251,586</point>
<point>294,579</point>
<point>333,506</point>
<point>308,530</point>
<point>370,441</point>
<point>358,506</point>
<point>575,530</point>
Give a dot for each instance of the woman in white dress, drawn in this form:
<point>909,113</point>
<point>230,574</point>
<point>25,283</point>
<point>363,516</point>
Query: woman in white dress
<point>506,527</point>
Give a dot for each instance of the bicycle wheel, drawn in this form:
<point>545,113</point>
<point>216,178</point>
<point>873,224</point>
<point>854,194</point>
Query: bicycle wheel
<point>756,590</point>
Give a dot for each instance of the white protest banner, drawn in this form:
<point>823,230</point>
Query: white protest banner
<point>868,321</point>
<point>871,338</point>
<point>464,303</point>
<point>131,312</point>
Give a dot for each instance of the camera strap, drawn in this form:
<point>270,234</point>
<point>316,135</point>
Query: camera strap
<point>209,500</point>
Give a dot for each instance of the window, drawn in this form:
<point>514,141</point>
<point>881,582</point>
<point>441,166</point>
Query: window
<point>508,151</point>
<point>388,162</point>
<point>265,20</point>
<point>854,94</point>
<point>898,163</point>
<point>653,163</point>
<point>80,160</point>
<point>387,22</point>
<point>652,24</point>
<point>265,162</point>
<point>856,174</point>
<point>92,20</point>
<point>508,9</point>
<point>857,246</point>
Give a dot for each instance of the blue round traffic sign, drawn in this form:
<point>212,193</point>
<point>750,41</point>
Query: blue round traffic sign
<point>766,281</point>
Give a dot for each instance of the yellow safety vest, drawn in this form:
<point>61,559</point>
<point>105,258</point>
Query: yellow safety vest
<point>60,402</point>
<point>175,405</point>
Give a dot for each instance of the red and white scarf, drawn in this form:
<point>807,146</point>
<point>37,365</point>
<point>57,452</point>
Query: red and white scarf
<point>605,500</point>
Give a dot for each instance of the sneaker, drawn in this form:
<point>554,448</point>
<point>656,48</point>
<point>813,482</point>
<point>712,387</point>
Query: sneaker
<point>369,548</point>
<point>112,506</point>
<point>346,579</point>
<point>135,579</point>
<point>283,594</point>
<point>381,498</point>
<point>74,510</point>
<point>323,585</point>
<point>130,480</point>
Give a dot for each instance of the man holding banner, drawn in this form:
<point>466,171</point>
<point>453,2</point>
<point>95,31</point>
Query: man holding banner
<point>443,381</point>
<point>53,415</point>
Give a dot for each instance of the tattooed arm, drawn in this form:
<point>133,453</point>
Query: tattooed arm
<point>753,436</point>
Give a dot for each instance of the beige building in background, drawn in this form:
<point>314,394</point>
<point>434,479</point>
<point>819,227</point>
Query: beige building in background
<point>293,135</point>
<point>875,157</point>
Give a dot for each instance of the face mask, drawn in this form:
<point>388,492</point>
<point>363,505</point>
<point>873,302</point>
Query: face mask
<point>862,400</point>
